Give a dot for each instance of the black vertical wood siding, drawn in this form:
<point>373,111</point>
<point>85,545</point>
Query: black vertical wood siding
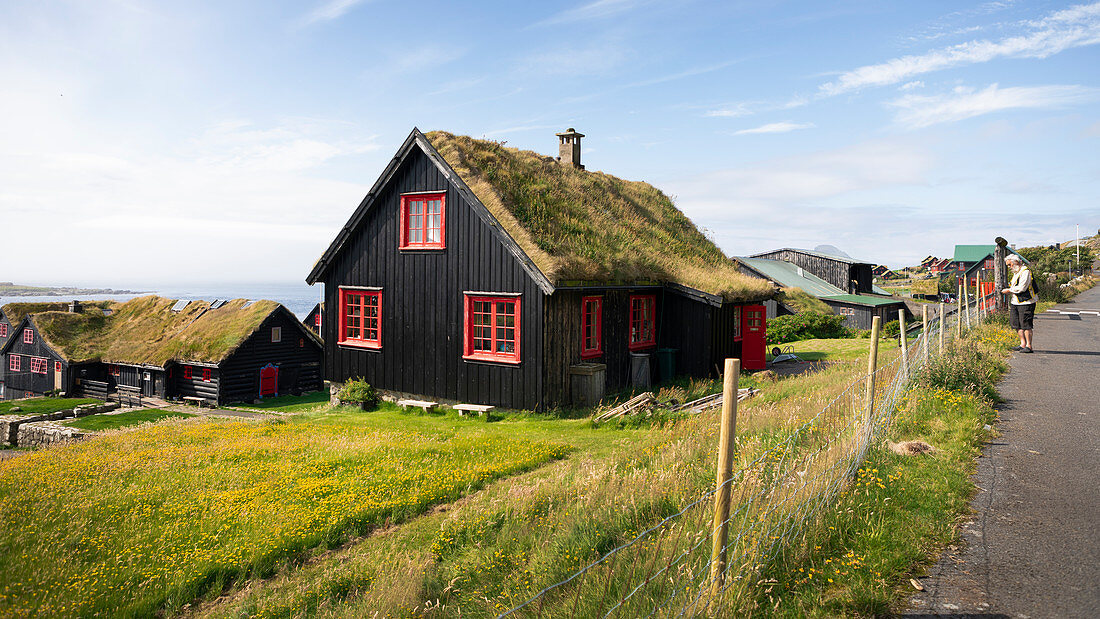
<point>297,356</point>
<point>423,305</point>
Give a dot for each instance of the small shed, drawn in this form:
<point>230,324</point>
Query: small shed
<point>848,274</point>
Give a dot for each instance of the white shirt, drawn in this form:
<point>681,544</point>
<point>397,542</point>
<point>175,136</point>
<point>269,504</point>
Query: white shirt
<point>1021,280</point>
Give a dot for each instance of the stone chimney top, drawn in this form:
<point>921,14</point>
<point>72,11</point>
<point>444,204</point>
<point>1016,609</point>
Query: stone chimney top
<point>569,147</point>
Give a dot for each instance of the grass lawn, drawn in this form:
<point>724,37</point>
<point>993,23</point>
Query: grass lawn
<point>837,350</point>
<point>98,423</point>
<point>290,403</point>
<point>149,520</point>
<point>44,405</point>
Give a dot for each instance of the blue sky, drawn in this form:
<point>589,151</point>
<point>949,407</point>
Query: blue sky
<point>146,142</point>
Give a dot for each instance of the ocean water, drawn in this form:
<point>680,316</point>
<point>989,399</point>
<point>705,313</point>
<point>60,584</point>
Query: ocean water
<point>299,298</point>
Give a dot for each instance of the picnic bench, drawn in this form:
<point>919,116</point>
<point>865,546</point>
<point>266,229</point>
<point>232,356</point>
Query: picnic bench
<point>197,401</point>
<point>480,409</point>
<point>421,404</point>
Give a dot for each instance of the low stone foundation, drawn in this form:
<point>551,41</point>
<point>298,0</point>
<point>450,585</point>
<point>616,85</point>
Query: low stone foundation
<point>10,424</point>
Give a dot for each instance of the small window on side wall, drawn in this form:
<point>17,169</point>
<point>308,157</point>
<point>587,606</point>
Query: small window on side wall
<point>187,372</point>
<point>276,335</point>
<point>14,363</point>
<point>492,328</point>
<point>643,323</point>
<point>28,336</point>
<point>360,318</point>
<point>423,221</point>
<point>591,327</point>
<point>206,375</point>
<point>3,329</point>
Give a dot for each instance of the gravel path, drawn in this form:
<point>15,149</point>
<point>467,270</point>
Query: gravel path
<point>1032,548</point>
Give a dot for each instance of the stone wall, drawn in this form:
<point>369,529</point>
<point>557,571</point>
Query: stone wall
<point>38,434</point>
<point>10,424</point>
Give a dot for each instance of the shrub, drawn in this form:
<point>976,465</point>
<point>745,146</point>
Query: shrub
<point>805,326</point>
<point>359,390</point>
<point>891,329</point>
<point>972,364</point>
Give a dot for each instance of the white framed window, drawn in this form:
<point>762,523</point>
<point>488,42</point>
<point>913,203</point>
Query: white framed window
<point>276,334</point>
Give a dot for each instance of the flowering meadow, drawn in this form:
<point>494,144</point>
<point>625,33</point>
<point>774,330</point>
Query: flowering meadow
<point>137,522</point>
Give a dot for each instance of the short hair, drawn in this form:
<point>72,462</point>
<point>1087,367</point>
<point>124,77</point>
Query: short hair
<point>1013,258</point>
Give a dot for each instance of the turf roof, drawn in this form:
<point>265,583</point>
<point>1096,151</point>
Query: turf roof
<point>580,225</point>
<point>144,330</point>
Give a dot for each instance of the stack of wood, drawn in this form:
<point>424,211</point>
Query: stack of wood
<point>713,400</point>
<point>633,406</point>
<point>645,402</point>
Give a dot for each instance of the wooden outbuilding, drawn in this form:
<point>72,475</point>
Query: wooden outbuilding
<point>483,274</point>
<point>154,347</point>
<point>849,275</point>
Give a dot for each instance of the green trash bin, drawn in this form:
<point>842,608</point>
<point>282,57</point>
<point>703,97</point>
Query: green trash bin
<point>666,363</point>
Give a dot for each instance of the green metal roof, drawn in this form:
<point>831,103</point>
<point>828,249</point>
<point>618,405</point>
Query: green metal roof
<point>973,253</point>
<point>875,289</point>
<point>862,299</point>
<point>787,275</point>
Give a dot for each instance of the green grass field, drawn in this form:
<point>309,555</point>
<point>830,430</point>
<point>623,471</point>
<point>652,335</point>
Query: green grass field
<point>290,403</point>
<point>43,405</point>
<point>99,423</point>
<point>145,520</point>
<point>837,350</point>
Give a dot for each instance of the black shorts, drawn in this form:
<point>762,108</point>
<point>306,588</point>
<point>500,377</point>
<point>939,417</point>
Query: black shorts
<point>1020,317</point>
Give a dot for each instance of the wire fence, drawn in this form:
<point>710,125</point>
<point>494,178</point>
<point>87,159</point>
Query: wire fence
<point>669,569</point>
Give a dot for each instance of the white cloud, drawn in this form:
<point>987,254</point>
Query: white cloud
<point>593,10</point>
<point>1076,26</point>
<point>780,127</point>
<point>917,111</point>
<point>911,85</point>
<point>333,9</point>
<point>591,60</point>
<point>732,111</point>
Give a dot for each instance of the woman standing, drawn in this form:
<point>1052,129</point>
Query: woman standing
<point>1021,309</point>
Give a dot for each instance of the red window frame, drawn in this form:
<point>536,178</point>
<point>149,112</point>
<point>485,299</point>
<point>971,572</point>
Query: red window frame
<point>317,320</point>
<point>643,327</point>
<point>591,327</point>
<point>206,375</point>
<point>487,328</point>
<point>15,362</point>
<point>38,365</point>
<point>114,370</point>
<point>187,372</point>
<point>417,224</point>
<point>3,329</point>
<point>28,336</point>
<point>57,366</point>
<point>360,318</point>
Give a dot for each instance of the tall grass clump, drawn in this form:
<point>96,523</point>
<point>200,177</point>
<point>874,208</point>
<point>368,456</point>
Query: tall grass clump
<point>972,364</point>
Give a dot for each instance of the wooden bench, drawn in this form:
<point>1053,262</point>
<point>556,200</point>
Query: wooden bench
<point>421,404</point>
<point>197,401</point>
<point>480,409</point>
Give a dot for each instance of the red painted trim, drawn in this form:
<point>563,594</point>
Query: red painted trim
<point>38,365</point>
<point>597,313</point>
<point>206,375</point>
<point>3,329</point>
<point>187,372</point>
<point>28,336</point>
<point>360,342</point>
<point>114,370</point>
<point>652,339</point>
<point>403,222</point>
<point>469,353</point>
<point>14,363</point>
<point>57,366</point>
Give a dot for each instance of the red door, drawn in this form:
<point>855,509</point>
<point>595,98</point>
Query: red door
<point>269,380</point>
<point>754,335</point>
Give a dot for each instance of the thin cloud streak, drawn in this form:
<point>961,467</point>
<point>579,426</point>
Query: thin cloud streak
<point>593,10</point>
<point>780,127</point>
<point>1076,26</point>
<point>334,9</point>
<point>919,111</point>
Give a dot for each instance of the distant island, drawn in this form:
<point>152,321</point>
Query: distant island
<point>8,289</point>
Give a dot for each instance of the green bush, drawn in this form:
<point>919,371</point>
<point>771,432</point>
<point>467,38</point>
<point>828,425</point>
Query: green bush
<point>890,329</point>
<point>806,326</point>
<point>359,390</point>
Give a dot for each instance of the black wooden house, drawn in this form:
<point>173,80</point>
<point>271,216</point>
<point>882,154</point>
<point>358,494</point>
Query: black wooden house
<point>477,273</point>
<point>312,320</point>
<point>222,352</point>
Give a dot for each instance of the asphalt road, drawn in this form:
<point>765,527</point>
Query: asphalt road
<point>1032,548</point>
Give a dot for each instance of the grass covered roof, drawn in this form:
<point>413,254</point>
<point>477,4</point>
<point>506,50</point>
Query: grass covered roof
<point>144,330</point>
<point>589,226</point>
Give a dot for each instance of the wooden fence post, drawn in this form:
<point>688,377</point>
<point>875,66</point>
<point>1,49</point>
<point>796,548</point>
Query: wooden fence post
<point>966,292</point>
<point>943,326</point>
<point>720,530</point>
<point>872,364</point>
<point>904,344</point>
<point>959,312</point>
<point>924,333</point>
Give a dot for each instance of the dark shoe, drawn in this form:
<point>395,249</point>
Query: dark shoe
<point>1025,350</point>
<point>1017,348</point>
